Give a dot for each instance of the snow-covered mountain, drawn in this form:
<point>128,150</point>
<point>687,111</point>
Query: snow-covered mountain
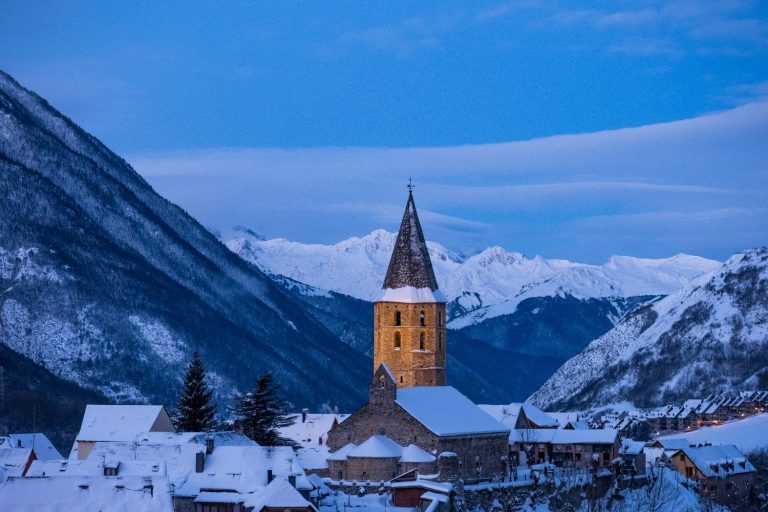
<point>710,336</point>
<point>107,284</point>
<point>486,285</point>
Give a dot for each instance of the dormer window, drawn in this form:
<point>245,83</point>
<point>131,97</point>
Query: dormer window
<point>398,321</point>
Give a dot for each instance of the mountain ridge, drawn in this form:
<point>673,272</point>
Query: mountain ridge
<point>485,285</point>
<point>136,274</point>
<point>711,336</point>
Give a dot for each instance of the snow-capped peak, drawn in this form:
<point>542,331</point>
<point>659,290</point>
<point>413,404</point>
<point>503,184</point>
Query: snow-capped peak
<point>487,284</point>
<point>707,337</point>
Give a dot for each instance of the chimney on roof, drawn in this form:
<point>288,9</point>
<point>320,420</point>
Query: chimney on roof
<point>199,462</point>
<point>304,415</point>
<point>209,445</point>
<point>292,480</point>
<point>270,475</point>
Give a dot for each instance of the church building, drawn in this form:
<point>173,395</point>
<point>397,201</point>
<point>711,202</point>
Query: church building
<point>410,406</point>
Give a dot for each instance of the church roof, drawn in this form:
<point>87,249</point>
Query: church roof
<point>410,265</point>
<point>446,412</point>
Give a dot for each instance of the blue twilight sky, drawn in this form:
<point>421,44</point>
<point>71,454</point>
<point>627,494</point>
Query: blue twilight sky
<point>566,129</point>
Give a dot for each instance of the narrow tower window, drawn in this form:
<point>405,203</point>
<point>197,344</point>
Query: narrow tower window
<point>421,341</point>
<point>422,319</point>
<point>397,341</point>
<point>439,339</point>
<point>397,318</point>
<point>439,318</point>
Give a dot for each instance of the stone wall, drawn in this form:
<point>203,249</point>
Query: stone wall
<point>483,452</point>
<point>375,418</point>
<point>373,469</point>
<point>410,364</point>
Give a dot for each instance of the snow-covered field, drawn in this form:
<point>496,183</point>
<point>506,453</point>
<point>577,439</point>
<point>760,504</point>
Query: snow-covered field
<point>748,434</point>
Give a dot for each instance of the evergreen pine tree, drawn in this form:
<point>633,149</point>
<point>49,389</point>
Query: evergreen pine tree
<point>195,412</point>
<point>261,413</point>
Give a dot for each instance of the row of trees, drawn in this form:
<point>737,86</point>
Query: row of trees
<point>259,413</point>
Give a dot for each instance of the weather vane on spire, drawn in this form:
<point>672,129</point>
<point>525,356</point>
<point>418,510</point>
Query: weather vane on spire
<point>410,185</point>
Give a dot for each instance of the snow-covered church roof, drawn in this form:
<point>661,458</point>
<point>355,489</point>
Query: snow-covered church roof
<point>410,268</point>
<point>446,412</point>
<point>382,447</point>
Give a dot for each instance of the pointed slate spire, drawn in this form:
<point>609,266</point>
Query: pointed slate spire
<point>410,264</point>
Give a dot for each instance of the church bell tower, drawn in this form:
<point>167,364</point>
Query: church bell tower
<point>409,319</point>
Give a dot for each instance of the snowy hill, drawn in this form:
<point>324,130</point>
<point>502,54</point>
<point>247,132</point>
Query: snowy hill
<point>710,336</point>
<point>748,434</point>
<point>486,285</point>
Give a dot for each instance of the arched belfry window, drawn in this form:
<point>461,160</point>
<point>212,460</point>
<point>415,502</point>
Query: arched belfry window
<point>422,318</point>
<point>421,341</point>
<point>397,318</point>
<point>397,341</point>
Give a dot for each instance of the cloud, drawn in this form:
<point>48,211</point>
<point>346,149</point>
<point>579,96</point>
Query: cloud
<point>751,30</point>
<point>519,194</point>
<point>402,38</point>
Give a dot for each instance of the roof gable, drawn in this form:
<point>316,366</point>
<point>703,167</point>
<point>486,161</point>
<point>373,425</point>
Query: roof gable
<point>122,422</point>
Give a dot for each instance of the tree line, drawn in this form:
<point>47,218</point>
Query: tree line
<point>258,414</point>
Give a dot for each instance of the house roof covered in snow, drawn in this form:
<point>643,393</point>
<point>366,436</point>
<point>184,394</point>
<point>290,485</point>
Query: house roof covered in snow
<point>86,494</point>
<point>719,460</point>
<point>37,441</point>
<point>313,457</point>
<point>509,414</point>
<point>13,461</point>
<point>410,265</point>
<point>278,494</point>
<point>242,468</point>
<point>673,443</point>
<point>632,447</point>
<point>122,422</point>
<point>94,466</point>
<point>311,429</point>
<point>446,412</point>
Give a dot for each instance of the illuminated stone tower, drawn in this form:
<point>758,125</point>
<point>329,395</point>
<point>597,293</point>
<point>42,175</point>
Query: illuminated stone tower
<point>409,319</point>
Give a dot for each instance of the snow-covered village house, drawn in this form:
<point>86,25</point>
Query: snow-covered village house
<point>115,423</point>
<point>207,472</point>
<point>539,436</point>
<point>310,432</point>
<point>409,403</point>
<point>721,471</point>
<point>15,460</point>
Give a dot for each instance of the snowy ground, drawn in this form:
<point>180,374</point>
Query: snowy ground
<point>367,503</point>
<point>748,434</point>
